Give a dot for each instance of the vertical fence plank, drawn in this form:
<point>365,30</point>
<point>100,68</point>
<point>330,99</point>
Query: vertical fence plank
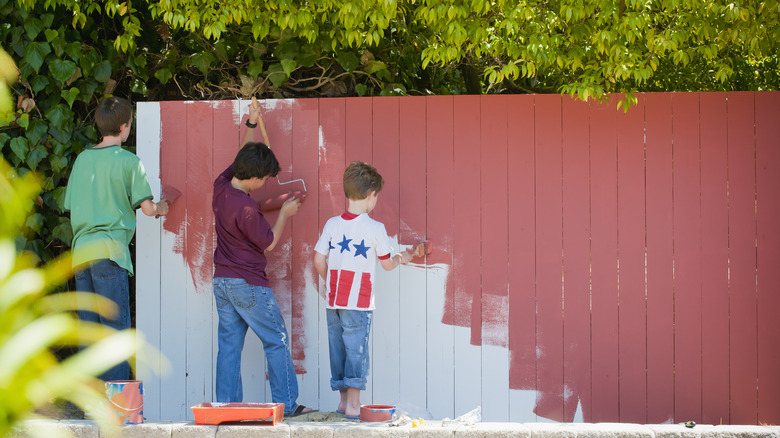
<point>522,259</point>
<point>714,264</point>
<point>576,259</point>
<point>742,234</point>
<point>604,317</point>
<point>277,115</point>
<point>228,128</point>
<point>742,257</point>
<point>494,247</point>
<point>332,125</point>
<point>549,232</point>
<point>305,231</point>
<point>413,191</point>
<point>687,256</point>
<point>229,132</point>
<point>466,258</point>
<point>631,255</point>
<point>440,173</point>
<point>660,299</point>
<point>173,152</point>
<point>278,121</point>
<point>768,258</point>
<point>199,252</point>
<point>358,147</point>
<point>147,263</point>
<point>386,360</point>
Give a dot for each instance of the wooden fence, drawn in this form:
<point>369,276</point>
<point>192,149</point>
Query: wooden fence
<point>589,264</point>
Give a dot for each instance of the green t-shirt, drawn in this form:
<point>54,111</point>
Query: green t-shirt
<point>105,187</point>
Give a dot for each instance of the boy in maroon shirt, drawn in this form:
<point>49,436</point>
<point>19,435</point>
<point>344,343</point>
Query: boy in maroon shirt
<point>241,288</point>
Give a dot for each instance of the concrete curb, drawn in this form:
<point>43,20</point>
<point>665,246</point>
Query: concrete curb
<point>433,429</point>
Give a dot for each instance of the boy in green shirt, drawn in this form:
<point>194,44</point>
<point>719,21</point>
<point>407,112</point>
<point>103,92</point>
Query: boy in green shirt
<point>106,185</point>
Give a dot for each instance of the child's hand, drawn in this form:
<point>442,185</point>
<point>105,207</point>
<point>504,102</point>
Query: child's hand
<point>405,257</point>
<point>254,111</point>
<point>162,208</point>
<point>290,207</point>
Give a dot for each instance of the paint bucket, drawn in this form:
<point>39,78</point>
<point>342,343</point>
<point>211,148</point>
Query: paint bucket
<point>125,401</point>
<point>375,413</point>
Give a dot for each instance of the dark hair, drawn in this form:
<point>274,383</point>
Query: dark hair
<point>255,159</point>
<point>111,114</point>
<point>360,179</point>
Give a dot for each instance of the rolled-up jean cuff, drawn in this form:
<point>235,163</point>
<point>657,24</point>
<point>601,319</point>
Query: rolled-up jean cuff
<point>337,385</point>
<point>355,383</point>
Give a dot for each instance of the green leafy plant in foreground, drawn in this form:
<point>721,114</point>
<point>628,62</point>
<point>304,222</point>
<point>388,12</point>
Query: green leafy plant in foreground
<point>34,318</point>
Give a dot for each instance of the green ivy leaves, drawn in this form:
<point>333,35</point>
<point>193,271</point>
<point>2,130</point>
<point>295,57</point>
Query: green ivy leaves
<point>34,54</point>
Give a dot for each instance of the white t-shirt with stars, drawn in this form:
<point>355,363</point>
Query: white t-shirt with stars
<point>353,243</point>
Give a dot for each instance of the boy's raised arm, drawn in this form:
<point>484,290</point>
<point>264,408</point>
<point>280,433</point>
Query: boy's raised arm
<point>254,119</point>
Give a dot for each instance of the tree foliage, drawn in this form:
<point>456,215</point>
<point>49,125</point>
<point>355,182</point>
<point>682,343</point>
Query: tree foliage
<point>71,53</point>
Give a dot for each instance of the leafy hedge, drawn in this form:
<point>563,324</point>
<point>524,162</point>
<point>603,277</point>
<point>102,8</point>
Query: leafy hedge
<point>66,70</point>
<point>63,73</point>
<point>71,53</point>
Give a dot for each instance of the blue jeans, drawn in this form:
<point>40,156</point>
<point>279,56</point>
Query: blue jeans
<point>348,345</point>
<point>106,278</point>
<point>240,306</point>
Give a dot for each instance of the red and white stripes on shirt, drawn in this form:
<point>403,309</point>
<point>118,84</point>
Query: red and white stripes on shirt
<point>353,243</point>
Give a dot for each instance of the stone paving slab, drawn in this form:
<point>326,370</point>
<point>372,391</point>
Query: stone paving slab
<point>432,429</point>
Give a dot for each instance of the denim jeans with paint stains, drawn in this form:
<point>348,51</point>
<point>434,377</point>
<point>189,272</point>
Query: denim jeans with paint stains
<point>107,279</point>
<point>348,345</point>
<point>240,306</point>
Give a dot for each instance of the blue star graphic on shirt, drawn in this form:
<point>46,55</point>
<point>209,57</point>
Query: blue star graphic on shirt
<point>344,244</point>
<point>361,249</point>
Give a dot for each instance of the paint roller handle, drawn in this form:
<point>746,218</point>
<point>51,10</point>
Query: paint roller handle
<point>290,206</point>
<point>254,113</point>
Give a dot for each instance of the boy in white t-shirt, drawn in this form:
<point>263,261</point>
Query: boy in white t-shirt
<point>345,257</point>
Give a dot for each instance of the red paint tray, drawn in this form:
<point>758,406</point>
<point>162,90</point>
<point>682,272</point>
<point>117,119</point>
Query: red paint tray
<point>218,413</point>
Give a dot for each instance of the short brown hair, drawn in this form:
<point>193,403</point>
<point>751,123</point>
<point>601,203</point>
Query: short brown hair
<point>360,179</point>
<point>111,113</point>
<point>255,160</point>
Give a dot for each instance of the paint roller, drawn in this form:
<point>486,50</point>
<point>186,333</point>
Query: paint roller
<point>273,193</point>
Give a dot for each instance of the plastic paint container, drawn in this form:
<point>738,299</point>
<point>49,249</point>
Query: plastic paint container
<point>126,401</point>
<point>375,413</point>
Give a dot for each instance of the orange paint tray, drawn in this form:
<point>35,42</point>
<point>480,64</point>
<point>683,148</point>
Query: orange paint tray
<point>218,413</point>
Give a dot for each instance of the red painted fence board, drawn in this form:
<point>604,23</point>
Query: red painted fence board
<point>522,249</point>
<point>660,296</point>
<point>715,259</point>
<point>413,189</point>
<point>549,242</point>
<point>742,258</point>
<point>604,287</point>
<point>440,131</point>
<point>466,269</point>
<point>632,320</point>
<point>576,258</point>
<point>588,264</point>
<point>304,227</point>
<point>768,255</point>
<point>687,256</point>
<point>385,119</point>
